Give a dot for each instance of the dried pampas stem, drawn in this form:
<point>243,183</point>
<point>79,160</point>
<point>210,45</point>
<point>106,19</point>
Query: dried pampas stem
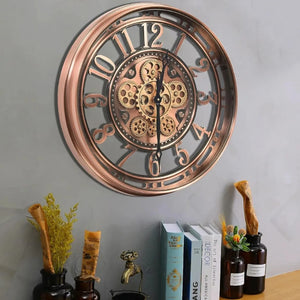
<point>250,217</point>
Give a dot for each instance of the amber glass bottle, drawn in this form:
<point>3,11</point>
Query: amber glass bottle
<point>233,272</point>
<point>84,289</point>
<point>255,265</point>
<point>53,287</point>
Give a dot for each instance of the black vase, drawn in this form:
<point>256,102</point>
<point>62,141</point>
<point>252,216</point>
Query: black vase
<point>53,287</point>
<point>84,289</point>
<point>232,277</point>
<point>128,295</point>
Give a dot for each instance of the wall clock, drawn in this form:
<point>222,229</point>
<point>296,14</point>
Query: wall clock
<point>146,99</point>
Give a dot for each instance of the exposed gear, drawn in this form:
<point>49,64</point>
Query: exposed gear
<point>145,100</point>
<point>139,126</point>
<point>127,94</point>
<point>178,93</point>
<point>135,104</point>
<point>151,129</point>
<point>167,126</point>
<point>151,69</point>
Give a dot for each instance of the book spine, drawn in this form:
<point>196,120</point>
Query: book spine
<point>172,262</point>
<point>206,262</point>
<point>206,268</point>
<point>192,269</point>
<point>216,267</point>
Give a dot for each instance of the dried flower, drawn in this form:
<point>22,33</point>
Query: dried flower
<point>229,229</point>
<point>224,231</point>
<point>60,232</point>
<point>236,238</point>
<point>242,231</point>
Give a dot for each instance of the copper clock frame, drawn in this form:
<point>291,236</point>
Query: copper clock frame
<point>73,125</point>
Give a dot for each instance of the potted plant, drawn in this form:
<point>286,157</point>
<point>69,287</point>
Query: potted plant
<point>233,266</point>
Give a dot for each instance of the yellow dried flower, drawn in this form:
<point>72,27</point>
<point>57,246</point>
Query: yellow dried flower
<point>224,232</point>
<point>236,238</point>
<point>60,232</point>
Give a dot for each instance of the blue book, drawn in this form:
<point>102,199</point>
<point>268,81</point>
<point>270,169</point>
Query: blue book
<point>192,267</point>
<point>172,244</point>
<point>206,273</point>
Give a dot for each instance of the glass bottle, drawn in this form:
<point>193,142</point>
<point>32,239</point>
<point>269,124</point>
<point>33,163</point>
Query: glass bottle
<point>233,274</point>
<point>84,289</point>
<point>255,263</point>
<point>53,287</point>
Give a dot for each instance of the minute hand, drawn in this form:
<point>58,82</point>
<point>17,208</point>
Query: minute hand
<point>157,100</point>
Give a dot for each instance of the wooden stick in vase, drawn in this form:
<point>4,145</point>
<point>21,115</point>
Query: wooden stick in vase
<point>250,217</point>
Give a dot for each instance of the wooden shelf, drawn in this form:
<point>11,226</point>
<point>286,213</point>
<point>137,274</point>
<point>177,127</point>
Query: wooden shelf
<point>281,287</point>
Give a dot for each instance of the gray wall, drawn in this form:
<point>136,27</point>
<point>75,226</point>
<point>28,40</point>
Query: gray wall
<point>262,41</point>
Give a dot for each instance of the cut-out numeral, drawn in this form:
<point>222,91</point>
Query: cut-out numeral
<point>100,135</point>
<point>103,71</point>
<point>204,99</point>
<point>182,154</point>
<point>154,167</point>
<point>200,131</point>
<point>126,37</point>
<point>203,67</point>
<point>131,151</point>
<point>94,100</point>
<point>158,30</point>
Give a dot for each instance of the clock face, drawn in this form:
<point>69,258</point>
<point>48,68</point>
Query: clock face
<point>146,99</point>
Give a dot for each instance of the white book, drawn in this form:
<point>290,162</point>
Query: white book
<point>206,239</point>
<point>216,261</point>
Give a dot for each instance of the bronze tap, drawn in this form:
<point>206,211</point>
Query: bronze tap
<point>130,268</point>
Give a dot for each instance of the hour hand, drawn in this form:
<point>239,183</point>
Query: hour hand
<point>160,79</point>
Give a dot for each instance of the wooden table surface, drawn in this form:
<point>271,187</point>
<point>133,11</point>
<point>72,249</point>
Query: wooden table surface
<point>281,287</point>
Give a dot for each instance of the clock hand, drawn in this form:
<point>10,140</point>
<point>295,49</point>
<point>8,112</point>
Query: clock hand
<point>158,152</point>
<point>160,78</point>
<point>157,100</point>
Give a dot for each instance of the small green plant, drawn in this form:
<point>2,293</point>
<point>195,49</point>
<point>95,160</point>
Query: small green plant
<point>60,232</point>
<point>236,239</point>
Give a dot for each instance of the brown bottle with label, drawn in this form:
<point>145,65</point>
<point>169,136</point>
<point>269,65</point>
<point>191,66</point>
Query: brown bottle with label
<point>232,277</point>
<point>255,265</point>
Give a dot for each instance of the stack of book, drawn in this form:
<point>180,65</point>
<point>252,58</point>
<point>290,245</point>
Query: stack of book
<point>191,262</point>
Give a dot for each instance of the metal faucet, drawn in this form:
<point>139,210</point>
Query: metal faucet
<point>131,269</point>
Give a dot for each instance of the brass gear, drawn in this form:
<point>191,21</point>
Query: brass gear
<point>127,94</point>
<point>151,129</point>
<point>167,126</point>
<point>145,100</point>
<point>151,69</point>
<point>178,93</point>
<point>139,126</point>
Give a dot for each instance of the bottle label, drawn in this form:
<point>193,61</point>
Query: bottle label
<point>256,270</point>
<point>237,279</point>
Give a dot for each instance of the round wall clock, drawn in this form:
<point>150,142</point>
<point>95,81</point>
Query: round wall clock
<point>146,99</point>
